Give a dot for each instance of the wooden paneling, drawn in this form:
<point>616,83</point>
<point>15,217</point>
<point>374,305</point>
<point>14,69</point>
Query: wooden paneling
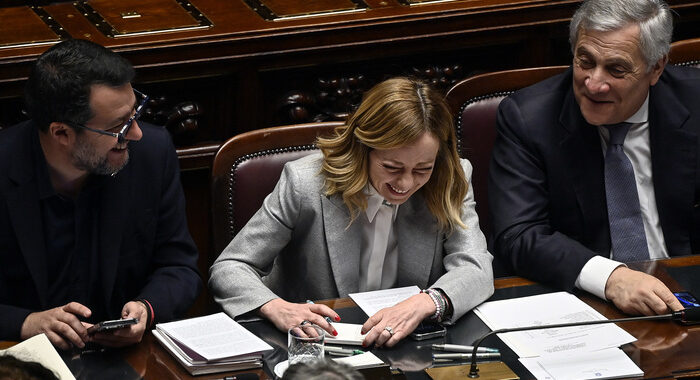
<point>22,25</point>
<point>246,72</point>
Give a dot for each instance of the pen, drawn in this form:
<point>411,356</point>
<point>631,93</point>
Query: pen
<point>460,348</point>
<point>489,355</point>
<point>327,318</point>
<point>342,351</point>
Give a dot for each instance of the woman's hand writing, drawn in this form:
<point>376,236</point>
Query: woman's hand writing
<point>285,314</point>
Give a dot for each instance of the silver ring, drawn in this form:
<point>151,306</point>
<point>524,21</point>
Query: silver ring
<point>304,322</point>
<point>390,330</point>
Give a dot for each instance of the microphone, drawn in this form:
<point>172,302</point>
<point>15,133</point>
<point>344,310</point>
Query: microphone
<point>684,316</point>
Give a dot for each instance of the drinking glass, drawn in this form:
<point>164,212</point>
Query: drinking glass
<point>305,343</point>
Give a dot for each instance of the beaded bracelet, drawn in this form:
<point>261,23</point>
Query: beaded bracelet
<point>440,304</point>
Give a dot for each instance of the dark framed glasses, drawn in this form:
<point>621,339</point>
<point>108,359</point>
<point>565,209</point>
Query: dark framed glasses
<point>123,129</point>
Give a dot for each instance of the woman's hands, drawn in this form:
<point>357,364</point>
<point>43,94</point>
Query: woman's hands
<point>401,318</point>
<point>285,314</point>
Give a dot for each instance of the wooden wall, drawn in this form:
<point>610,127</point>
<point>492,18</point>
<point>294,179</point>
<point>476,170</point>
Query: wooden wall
<point>248,64</point>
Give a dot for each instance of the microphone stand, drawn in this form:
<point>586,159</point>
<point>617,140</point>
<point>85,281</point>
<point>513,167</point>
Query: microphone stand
<point>678,315</point>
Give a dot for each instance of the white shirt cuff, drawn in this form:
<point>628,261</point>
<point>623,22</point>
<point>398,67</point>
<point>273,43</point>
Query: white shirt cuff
<point>594,275</point>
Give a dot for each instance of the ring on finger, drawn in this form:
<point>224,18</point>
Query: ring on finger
<point>304,322</point>
<point>390,330</point>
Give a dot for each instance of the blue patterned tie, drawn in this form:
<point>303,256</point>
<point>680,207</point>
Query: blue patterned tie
<point>629,243</point>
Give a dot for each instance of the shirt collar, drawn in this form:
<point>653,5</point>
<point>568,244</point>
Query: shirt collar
<point>374,202</point>
<point>638,120</point>
<point>642,114</point>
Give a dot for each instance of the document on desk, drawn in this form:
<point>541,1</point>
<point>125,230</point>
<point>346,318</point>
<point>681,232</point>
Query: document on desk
<point>547,309</point>
<point>40,350</point>
<point>610,363</point>
<point>214,337</point>
<point>366,360</point>
<point>372,302</point>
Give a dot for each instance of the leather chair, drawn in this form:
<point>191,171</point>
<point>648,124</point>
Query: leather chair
<point>246,169</point>
<point>474,103</point>
<point>685,53</point>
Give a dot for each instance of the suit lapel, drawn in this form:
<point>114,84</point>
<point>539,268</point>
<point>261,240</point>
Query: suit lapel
<point>343,244</point>
<point>416,232</point>
<point>583,161</point>
<point>25,213</point>
<point>673,153</point>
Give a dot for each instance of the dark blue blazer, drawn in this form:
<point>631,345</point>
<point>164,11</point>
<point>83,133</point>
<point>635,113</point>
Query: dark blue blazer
<point>546,185</point>
<point>145,249</point>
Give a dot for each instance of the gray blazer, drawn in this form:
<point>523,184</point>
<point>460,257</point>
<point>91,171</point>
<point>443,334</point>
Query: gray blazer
<point>300,246</point>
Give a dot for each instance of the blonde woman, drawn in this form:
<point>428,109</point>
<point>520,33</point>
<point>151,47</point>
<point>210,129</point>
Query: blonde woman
<point>385,204</point>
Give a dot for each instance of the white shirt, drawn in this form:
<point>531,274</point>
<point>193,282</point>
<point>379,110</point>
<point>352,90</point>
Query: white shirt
<point>379,253</point>
<point>597,270</point>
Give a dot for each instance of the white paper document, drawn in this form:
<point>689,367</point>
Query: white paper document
<point>366,360</point>
<point>39,349</point>
<point>372,302</point>
<point>611,363</point>
<point>214,337</point>
<point>547,309</point>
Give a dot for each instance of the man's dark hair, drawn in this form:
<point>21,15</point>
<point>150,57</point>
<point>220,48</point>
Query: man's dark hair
<point>58,88</point>
<point>321,370</point>
<point>16,369</point>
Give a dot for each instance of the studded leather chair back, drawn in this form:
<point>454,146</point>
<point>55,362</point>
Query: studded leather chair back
<point>474,103</point>
<point>246,169</point>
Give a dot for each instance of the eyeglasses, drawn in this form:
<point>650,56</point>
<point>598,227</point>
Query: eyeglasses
<point>123,129</point>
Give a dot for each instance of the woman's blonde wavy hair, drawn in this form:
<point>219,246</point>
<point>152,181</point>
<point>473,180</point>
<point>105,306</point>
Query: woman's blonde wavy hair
<point>394,113</point>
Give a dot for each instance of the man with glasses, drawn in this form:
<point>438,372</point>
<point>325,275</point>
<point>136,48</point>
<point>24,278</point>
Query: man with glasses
<point>92,213</point>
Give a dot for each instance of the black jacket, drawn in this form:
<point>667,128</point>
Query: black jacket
<point>144,247</point>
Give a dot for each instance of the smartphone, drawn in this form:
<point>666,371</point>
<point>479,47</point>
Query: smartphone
<point>689,301</point>
<point>111,325</point>
<point>428,330</point>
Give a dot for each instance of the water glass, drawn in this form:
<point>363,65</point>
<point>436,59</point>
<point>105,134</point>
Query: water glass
<point>305,343</point>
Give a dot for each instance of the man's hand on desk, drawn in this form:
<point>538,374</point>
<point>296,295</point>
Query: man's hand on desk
<point>61,325</point>
<point>128,335</point>
<point>402,318</point>
<point>636,293</point>
<point>285,314</point>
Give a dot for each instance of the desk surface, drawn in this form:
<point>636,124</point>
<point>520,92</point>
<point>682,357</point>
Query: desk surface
<point>663,349</point>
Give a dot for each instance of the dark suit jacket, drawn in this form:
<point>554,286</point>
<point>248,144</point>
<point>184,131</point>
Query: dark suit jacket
<point>546,186</point>
<point>145,249</point>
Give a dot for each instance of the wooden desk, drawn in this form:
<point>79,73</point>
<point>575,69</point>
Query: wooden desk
<point>246,72</point>
<point>664,349</point>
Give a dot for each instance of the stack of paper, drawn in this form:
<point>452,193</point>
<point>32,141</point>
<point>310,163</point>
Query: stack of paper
<point>544,352</point>
<point>213,343</point>
<point>348,333</point>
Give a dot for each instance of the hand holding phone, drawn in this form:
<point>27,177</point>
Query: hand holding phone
<point>112,325</point>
